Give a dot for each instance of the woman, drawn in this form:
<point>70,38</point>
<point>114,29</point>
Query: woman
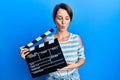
<point>70,43</point>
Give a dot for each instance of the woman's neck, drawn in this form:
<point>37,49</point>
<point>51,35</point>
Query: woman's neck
<point>62,36</point>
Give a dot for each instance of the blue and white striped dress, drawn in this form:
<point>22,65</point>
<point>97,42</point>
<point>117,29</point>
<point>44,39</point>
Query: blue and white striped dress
<point>72,52</point>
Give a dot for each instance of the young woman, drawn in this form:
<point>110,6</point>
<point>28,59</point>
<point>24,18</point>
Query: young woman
<point>70,43</point>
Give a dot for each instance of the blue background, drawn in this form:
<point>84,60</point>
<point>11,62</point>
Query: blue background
<point>96,21</point>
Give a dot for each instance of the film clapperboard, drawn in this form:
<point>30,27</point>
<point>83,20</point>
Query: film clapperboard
<point>44,58</point>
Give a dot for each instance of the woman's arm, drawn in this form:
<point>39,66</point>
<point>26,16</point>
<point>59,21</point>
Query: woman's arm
<point>72,65</point>
<point>81,60</point>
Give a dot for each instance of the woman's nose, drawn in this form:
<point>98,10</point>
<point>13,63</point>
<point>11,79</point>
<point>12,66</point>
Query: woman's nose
<point>63,21</point>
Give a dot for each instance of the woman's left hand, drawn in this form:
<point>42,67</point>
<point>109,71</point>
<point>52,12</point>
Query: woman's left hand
<point>70,65</point>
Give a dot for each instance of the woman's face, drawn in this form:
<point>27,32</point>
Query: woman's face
<point>62,20</point>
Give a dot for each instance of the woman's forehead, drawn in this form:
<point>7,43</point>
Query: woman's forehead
<point>62,12</point>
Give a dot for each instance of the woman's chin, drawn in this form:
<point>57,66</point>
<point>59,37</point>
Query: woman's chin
<point>62,30</point>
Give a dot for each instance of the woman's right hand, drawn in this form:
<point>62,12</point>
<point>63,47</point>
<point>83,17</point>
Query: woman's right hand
<point>23,51</point>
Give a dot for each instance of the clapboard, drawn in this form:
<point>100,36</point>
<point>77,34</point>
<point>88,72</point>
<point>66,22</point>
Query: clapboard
<point>44,58</point>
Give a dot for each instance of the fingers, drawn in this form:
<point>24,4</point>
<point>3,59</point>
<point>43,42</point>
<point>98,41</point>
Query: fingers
<point>64,68</point>
<point>23,55</point>
<point>70,65</point>
<point>23,51</point>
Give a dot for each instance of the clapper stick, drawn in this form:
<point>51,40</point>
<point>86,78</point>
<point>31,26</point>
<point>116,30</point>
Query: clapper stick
<point>39,38</point>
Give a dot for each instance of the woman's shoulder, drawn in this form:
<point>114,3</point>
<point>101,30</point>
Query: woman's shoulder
<point>76,36</point>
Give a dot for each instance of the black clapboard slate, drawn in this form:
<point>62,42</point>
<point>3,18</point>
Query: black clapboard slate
<point>45,59</point>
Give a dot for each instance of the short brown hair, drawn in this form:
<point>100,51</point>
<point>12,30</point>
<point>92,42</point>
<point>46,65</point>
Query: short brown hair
<point>62,6</point>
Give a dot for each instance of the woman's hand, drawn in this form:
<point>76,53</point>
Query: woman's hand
<point>23,51</point>
<point>70,65</point>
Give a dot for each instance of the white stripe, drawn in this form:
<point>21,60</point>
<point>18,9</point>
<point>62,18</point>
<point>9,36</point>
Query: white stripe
<point>51,41</point>
<point>39,38</point>
<point>41,45</point>
<point>31,49</point>
<point>74,39</point>
<point>72,44</point>
<point>68,49</point>
<point>71,59</point>
<point>30,44</point>
<point>70,54</point>
<point>48,32</point>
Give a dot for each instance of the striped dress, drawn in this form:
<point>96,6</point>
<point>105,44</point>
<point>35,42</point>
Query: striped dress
<point>72,52</point>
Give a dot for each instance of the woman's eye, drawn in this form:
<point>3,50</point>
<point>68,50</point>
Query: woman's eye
<point>67,18</point>
<point>59,18</point>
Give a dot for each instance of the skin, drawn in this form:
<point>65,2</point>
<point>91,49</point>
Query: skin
<point>62,21</point>
<point>23,51</point>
